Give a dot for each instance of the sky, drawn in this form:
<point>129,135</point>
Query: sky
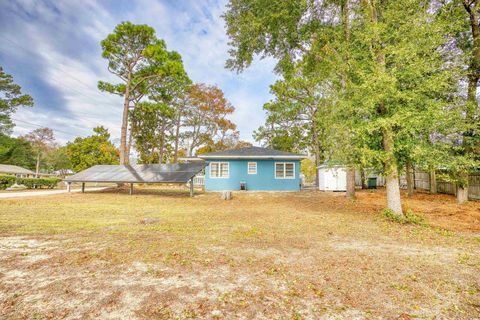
<point>52,49</point>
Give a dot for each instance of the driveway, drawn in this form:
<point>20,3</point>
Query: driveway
<point>25,194</point>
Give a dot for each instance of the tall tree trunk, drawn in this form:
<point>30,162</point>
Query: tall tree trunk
<point>394,202</point>
<point>162,147</point>
<point>472,103</point>
<point>130,141</point>
<point>316,153</point>
<point>350,194</point>
<point>433,182</point>
<point>462,194</point>
<point>410,181</point>
<point>123,133</point>
<point>363,178</point>
<point>177,140</point>
<point>391,174</point>
<point>350,183</point>
<point>37,166</point>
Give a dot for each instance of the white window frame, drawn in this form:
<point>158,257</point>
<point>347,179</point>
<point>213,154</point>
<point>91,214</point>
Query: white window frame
<point>248,168</point>
<point>284,164</point>
<point>219,164</point>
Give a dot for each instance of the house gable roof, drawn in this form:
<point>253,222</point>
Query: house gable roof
<point>252,153</point>
<point>7,168</point>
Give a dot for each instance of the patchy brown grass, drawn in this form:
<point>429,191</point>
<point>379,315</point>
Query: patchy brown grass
<point>439,210</point>
<point>163,255</point>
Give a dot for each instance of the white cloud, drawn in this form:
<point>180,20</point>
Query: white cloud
<point>193,28</point>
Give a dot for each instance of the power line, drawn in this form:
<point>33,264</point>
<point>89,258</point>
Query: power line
<point>27,49</point>
<point>88,86</point>
<point>40,126</point>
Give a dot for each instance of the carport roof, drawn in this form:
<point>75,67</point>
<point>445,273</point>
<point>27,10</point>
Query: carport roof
<point>139,173</point>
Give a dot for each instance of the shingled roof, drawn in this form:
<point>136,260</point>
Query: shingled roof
<point>7,168</point>
<point>252,153</point>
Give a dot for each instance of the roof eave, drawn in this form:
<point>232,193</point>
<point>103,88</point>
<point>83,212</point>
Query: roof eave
<point>293,157</point>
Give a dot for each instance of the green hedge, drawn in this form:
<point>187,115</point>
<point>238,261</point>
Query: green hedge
<point>31,183</point>
<point>6,181</point>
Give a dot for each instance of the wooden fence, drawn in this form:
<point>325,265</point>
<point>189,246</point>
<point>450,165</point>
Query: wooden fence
<point>422,182</point>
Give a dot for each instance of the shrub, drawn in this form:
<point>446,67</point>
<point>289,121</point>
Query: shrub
<point>6,181</point>
<point>31,183</point>
<point>408,218</point>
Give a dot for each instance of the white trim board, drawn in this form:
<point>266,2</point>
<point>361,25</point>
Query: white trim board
<point>297,157</point>
<point>219,170</point>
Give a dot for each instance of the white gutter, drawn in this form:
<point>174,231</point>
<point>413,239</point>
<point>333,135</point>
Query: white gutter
<point>190,159</point>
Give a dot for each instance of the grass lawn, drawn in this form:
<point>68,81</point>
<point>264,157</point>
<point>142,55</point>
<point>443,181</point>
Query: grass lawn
<point>164,255</point>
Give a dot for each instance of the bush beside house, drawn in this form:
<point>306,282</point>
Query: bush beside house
<point>31,183</point>
<point>6,181</point>
<point>9,180</point>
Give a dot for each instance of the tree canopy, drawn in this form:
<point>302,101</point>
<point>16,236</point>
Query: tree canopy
<point>11,98</point>
<point>96,149</point>
<point>140,60</point>
<point>16,151</point>
<point>384,77</point>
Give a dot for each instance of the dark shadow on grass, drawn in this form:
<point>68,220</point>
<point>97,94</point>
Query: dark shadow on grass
<point>173,192</point>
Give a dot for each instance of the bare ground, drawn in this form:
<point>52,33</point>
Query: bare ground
<point>259,256</point>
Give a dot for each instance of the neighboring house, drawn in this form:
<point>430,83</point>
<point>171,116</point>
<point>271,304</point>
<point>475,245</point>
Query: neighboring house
<point>253,169</point>
<point>17,171</point>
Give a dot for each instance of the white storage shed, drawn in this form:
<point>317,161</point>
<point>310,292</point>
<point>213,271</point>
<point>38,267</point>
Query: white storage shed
<point>332,178</point>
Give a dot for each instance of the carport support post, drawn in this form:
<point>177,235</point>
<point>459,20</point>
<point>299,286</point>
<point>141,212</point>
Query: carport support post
<point>131,188</point>
<point>83,187</point>
<point>191,187</point>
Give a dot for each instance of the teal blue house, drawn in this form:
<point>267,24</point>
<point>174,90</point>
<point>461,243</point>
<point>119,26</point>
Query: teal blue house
<point>253,169</point>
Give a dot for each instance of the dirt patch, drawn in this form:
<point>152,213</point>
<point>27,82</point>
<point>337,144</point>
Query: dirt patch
<point>439,210</point>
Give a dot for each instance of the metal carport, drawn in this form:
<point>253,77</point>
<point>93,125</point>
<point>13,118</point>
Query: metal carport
<point>139,173</point>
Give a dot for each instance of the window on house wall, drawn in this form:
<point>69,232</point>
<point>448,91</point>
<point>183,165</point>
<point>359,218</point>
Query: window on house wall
<point>284,170</point>
<point>252,168</point>
<point>219,169</point>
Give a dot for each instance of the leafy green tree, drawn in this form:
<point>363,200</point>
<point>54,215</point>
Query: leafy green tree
<point>388,67</point>
<point>205,121</point>
<point>402,77</point>
<point>96,149</point>
<point>16,151</point>
<point>42,141</point>
<point>230,141</point>
<point>308,169</point>
<point>56,159</point>
<point>140,60</point>
<point>155,124</point>
<point>298,118</point>
<point>151,123</point>
<point>460,149</point>
<point>11,98</point>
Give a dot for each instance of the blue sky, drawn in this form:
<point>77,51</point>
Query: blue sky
<point>52,50</point>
